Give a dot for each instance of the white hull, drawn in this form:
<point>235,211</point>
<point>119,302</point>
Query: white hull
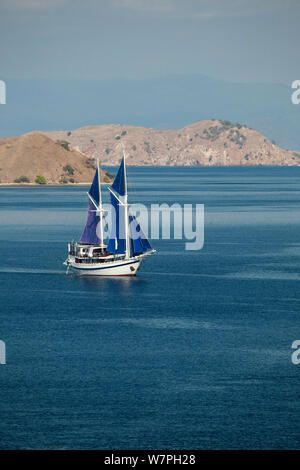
<point>128,267</point>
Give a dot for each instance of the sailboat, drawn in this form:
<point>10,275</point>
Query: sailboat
<point>127,245</point>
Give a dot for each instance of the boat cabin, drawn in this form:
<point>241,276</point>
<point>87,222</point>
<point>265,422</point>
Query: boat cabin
<point>84,250</point>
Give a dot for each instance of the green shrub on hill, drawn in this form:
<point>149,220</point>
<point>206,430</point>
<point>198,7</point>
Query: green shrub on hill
<point>40,179</point>
<point>64,144</point>
<point>90,163</point>
<point>69,169</point>
<point>22,179</point>
<point>108,177</point>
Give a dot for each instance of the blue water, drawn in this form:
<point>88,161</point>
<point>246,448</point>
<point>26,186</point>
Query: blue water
<point>194,353</point>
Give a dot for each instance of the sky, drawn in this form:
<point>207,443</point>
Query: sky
<point>234,40</point>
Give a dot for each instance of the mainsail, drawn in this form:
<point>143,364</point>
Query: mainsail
<point>90,231</point>
<point>117,240</point>
<point>119,215</point>
<point>120,184</point>
<point>126,234</point>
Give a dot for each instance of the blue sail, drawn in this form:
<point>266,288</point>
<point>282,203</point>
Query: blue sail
<point>90,231</point>
<point>94,189</point>
<point>119,184</point>
<point>117,241</point>
<point>139,242</point>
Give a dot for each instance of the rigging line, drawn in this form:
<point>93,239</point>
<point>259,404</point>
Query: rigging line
<point>114,194</point>
<point>94,202</point>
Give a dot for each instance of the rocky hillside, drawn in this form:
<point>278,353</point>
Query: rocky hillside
<point>206,143</point>
<point>34,158</point>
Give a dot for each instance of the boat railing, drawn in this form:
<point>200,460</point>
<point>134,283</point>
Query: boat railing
<point>87,260</point>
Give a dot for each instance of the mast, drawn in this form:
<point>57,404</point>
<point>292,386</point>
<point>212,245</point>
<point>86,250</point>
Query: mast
<point>119,197</point>
<point>100,205</point>
<point>127,251</point>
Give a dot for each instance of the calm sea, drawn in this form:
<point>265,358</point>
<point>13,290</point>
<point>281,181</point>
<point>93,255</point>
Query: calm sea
<point>194,353</point>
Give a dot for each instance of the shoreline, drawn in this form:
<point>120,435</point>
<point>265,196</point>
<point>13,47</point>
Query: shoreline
<point>88,183</point>
<point>35,185</point>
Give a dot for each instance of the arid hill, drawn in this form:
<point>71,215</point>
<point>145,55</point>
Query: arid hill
<point>23,159</point>
<point>206,143</point>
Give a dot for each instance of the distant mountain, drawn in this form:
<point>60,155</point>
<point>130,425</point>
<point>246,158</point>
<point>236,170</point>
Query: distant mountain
<point>170,102</point>
<point>23,159</point>
<point>206,143</point>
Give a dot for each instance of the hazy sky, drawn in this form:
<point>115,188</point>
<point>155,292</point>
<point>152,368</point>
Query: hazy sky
<point>235,40</point>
